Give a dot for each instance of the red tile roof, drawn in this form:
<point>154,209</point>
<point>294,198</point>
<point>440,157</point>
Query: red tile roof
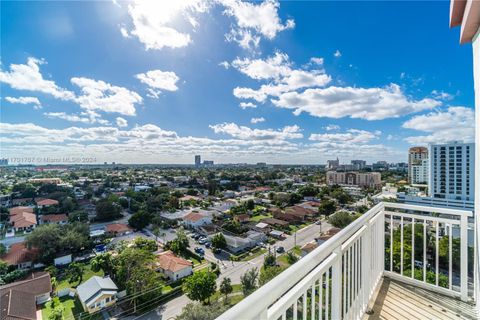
<point>23,220</point>
<point>18,254</point>
<point>117,228</point>
<point>49,218</point>
<point>193,216</point>
<point>169,261</point>
<point>16,210</point>
<point>46,202</point>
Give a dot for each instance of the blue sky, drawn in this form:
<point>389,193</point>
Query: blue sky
<point>159,82</point>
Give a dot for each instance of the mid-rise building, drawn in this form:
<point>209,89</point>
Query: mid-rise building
<point>198,160</point>
<point>361,179</point>
<point>359,164</point>
<point>333,164</point>
<point>419,172</point>
<point>380,165</point>
<point>208,163</point>
<point>415,157</point>
<point>452,171</point>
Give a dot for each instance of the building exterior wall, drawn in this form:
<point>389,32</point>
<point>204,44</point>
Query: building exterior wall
<point>42,298</point>
<point>419,173</point>
<point>415,157</point>
<point>185,272</point>
<point>97,305</point>
<point>452,171</point>
<point>370,179</point>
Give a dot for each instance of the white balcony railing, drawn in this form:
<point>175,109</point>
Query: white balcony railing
<point>338,279</point>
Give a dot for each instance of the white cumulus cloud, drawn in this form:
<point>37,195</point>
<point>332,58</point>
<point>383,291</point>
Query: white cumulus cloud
<point>454,124</point>
<point>257,120</point>
<point>28,77</point>
<point>352,136</point>
<point>246,133</point>
<point>121,122</point>
<point>158,80</point>
<point>362,103</point>
<point>99,95</point>
<point>25,100</point>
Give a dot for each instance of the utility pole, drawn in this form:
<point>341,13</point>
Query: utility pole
<point>295,239</point>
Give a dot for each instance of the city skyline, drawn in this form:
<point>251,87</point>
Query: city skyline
<point>287,83</point>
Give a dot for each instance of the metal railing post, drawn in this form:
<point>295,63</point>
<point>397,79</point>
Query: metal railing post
<point>464,258</point>
<point>337,286</point>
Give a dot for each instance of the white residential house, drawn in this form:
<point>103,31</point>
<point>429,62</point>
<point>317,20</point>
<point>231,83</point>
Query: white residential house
<point>195,219</point>
<point>174,267</point>
<point>97,293</point>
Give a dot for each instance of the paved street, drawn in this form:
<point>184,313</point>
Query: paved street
<point>234,270</point>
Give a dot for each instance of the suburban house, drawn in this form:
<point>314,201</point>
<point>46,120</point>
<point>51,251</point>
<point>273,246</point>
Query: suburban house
<point>289,217</point>
<point>22,218</point>
<point>20,256</point>
<point>97,293</point>
<point>302,212</point>
<point>242,218</point>
<point>54,218</point>
<point>263,227</point>
<point>312,205</point>
<point>173,267</point>
<point>19,300</point>
<point>237,244</point>
<point>276,222</point>
<point>196,219</point>
<point>117,229</point>
<point>44,203</point>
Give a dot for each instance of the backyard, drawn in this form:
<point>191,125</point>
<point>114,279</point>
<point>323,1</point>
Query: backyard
<point>72,309</point>
<point>87,274</point>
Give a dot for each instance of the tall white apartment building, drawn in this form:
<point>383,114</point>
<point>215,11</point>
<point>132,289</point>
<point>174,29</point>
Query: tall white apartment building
<point>419,172</point>
<point>452,171</point>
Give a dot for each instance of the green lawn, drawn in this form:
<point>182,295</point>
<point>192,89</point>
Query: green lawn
<point>260,217</point>
<point>236,288</point>
<point>294,228</point>
<point>192,257</point>
<point>297,250</point>
<point>72,306</point>
<point>87,274</point>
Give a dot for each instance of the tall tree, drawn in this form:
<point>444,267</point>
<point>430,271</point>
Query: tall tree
<point>226,287</point>
<point>103,262</point>
<point>75,272</point>
<point>200,286</point>
<point>218,241</point>
<point>249,281</point>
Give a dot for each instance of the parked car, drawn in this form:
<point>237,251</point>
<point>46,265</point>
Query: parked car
<point>202,241</point>
<point>319,222</point>
<point>199,250</point>
<point>217,250</point>
<point>208,245</point>
<point>280,250</point>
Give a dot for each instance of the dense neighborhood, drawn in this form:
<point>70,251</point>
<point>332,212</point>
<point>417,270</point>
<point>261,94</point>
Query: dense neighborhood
<point>112,241</point>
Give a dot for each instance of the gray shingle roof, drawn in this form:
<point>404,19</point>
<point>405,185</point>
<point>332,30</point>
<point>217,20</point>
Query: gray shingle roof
<point>90,288</point>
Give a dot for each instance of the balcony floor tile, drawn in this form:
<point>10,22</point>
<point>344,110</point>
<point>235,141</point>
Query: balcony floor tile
<point>396,300</point>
